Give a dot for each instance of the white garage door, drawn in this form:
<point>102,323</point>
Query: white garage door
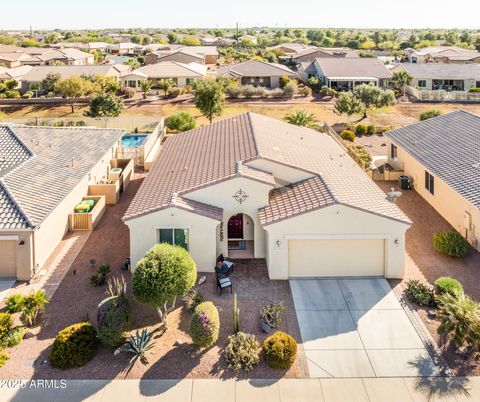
<point>336,257</point>
<point>8,259</point>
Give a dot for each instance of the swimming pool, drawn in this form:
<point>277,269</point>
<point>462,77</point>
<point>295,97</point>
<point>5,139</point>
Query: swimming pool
<point>129,141</point>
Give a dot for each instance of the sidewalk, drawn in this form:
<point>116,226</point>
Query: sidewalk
<point>452,389</point>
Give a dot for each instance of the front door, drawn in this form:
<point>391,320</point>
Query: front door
<point>235,227</point>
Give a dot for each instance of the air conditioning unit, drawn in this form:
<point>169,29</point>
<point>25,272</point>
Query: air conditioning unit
<point>114,174</point>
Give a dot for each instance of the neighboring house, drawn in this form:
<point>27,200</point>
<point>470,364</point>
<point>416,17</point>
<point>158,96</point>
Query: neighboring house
<point>91,46</point>
<point>181,74</point>
<point>13,59</point>
<point>16,73</point>
<point>310,54</point>
<point>274,190</point>
<point>121,48</point>
<point>344,74</point>
<point>290,48</point>
<point>437,76</point>
<point>185,54</point>
<point>258,73</point>
<point>218,41</point>
<point>37,74</point>
<point>44,173</point>
<point>45,56</point>
<point>443,54</point>
<point>442,155</point>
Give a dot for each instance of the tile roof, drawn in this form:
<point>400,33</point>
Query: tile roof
<point>204,156</point>
<point>38,73</point>
<point>337,52</point>
<point>360,67</point>
<point>442,70</point>
<point>296,199</point>
<point>169,69</point>
<point>255,68</point>
<point>449,147</point>
<point>43,165</point>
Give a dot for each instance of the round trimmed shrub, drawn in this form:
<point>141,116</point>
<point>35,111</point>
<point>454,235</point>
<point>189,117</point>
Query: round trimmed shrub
<point>280,350</point>
<point>180,121</point>
<point>205,325</point>
<point>370,129</point>
<point>451,243</point>
<point>74,346</point>
<point>347,135</point>
<point>445,284</point>
<point>360,129</point>
<point>113,319</point>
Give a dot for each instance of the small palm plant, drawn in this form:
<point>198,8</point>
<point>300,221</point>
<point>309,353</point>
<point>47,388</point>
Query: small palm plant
<point>301,117</point>
<point>145,86</point>
<point>165,84</point>
<point>460,320</point>
<point>32,305</point>
<point>138,345</point>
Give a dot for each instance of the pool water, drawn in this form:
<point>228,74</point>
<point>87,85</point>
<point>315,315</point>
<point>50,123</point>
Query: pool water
<point>129,141</point>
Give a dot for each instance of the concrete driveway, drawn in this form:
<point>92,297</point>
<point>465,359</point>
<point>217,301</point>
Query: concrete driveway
<point>5,285</point>
<point>357,328</point>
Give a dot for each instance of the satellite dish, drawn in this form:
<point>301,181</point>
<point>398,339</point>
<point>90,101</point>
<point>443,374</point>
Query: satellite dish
<point>393,195</point>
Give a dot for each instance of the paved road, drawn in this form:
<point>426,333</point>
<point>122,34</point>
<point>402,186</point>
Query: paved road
<point>420,389</point>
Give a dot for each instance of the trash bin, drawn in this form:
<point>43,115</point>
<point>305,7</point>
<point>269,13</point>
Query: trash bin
<point>405,182</point>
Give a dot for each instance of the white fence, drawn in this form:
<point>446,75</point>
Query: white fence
<point>443,96</point>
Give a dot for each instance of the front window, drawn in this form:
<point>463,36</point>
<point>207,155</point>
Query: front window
<point>393,152</point>
<point>422,83</point>
<point>429,183</point>
<point>176,237</point>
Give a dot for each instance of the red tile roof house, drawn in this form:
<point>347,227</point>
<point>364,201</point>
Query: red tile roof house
<point>257,187</point>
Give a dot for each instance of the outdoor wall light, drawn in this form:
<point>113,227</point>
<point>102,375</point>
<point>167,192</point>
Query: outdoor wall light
<point>278,243</point>
<point>21,243</point>
<point>397,242</point>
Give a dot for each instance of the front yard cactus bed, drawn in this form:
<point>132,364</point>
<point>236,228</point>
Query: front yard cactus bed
<point>241,352</point>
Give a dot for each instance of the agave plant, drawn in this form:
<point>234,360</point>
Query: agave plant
<point>460,320</point>
<point>302,117</point>
<point>138,345</point>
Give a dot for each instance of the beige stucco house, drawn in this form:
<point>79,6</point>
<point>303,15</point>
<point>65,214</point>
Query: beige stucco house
<point>44,173</point>
<point>255,187</point>
<point>442,156</point>
<point>443,54</point>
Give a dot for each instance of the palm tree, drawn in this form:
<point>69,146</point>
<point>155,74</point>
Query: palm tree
<point>145,86</point>
<point>301,117</point>
<point>401,79</point>
<point>165,84</point>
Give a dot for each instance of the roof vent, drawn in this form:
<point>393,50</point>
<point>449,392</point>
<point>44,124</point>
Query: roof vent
<point>239,168</point>
<point>476,165</point>
<point>173,201</point>
<point>72,162</point>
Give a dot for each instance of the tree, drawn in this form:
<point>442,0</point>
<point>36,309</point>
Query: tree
<point>191,42</point>
<point>105,106</point>
<point>72,89</point>
<point>180,121</point>
<point>145,86</point>
<point>301,117</point>
<point>51,38</point>
<point>428,114</point>
<point>172,37</point>
<point>373,97</point>
<point>163,274</point>
<point>347,103</point>
<point>165,84</point>
<point>400,79</point>
<point>209,98</point>
<point>132,62</point>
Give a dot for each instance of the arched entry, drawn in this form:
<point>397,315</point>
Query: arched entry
<point>240,236</point>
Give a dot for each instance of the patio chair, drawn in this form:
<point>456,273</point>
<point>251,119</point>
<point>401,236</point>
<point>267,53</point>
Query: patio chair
<point>223,282</point>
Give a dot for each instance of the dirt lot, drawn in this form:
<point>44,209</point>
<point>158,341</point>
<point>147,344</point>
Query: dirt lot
<point>426,264</point>
<point>76,300</point>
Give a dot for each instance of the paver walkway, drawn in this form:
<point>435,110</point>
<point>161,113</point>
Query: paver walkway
<point>357,328</point>
<point>422,389</point>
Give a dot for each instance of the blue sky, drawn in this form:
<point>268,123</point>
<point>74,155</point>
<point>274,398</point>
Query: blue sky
<point>65,14</point>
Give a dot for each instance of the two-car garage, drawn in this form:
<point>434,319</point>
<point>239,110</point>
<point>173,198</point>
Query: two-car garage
<point>336,257</point>
<point>8,258</point>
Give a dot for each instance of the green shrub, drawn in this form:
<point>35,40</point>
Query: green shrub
<point>6,324</point>
<point>12,94</point>
<point>283,81</point>
<point>326,91</point>
<point>419,293</point>
<point>205,325</point>
<point>248,91</point>
<point>451,243</point>
<point>474,90</point>
<point>74,346</point>
<point>347,135</point>
<point>280,350</point>
<point>3,358</point>
<point>113,319</point>
<point>305,91</point>
<point>428,114</point>
<point>14,303</point>
<point>27,95</point>
<point>360,129</point>
<point>445,284</point>
<point>174,92</point>
<point>291,89</point>
<point>12,338</point>
<point>241,352</point>
<point>180,121</point>
<point>370,129</point>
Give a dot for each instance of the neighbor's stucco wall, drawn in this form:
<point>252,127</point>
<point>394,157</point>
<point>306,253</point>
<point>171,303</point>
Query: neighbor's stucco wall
<point>446,201</point>
<point>336,222</point>
<point>201,235</point>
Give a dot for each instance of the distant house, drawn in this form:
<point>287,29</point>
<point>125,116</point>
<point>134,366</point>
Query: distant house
<point>443,54</point>
<point>121,48</point>
<point>310,54</point>
<point>15,73</point>
<point>438,76</point>
<point>91,46</point>
<point>257,73</point>
<point>441,155</point>
<point>185,54</point>
<point>35,76</point>
<point>44,173</point>
<point>218,41</point>
<point>13,59</point>
<point>289,48</point>
<point>344,74</point>
<point>44,56</point>
<point>181,74</point>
